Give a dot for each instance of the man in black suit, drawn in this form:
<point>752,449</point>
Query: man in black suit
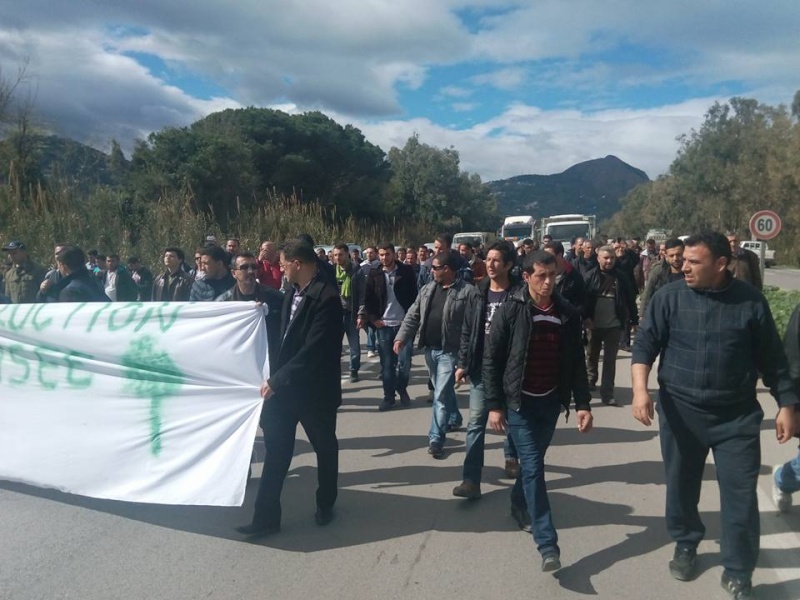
<point>304,386</point>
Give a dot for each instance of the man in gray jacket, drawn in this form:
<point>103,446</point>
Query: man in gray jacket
<point>441,309</point>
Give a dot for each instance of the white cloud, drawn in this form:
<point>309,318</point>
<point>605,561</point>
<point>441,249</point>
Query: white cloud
<point>352,59</point>
<point>529,140</point>
<point>510,78</point>
<point>464,106</point>
<point>455,91</point>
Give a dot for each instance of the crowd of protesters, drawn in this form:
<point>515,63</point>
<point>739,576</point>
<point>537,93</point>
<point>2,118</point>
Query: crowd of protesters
<point>525,325</point>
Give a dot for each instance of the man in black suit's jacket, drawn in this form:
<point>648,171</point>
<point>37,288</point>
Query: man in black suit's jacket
<point>304,386</point>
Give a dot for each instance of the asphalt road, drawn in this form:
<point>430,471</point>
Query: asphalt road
<point>783,277</point>
<point>398,532</point>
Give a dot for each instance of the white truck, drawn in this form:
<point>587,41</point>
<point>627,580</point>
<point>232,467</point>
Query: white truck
<point>484,239</point>
<point>755,246</point>
<point>564,228</point>
<point>518,228</point>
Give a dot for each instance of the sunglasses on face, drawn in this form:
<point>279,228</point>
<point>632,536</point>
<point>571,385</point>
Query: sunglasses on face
<point>438,267</point>
<point>248,267</point>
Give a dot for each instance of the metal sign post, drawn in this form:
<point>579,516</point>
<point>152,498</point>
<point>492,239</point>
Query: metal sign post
<point>764,225</point>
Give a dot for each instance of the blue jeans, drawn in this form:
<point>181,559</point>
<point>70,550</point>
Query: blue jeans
<point>372,342</point>
<point>531,428</point>
<point>353,340</point>
<point>395,368</point>
<point>476,431</point>
<point>508,448</point>
<point>787,479</point>
<point>442,370</point>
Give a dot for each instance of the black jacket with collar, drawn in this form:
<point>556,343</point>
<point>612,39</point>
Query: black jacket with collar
<point>405,290</point>
<point>625,297</point>
<point>473,338</point>
<point>506,354</point>
<point>308,367</point>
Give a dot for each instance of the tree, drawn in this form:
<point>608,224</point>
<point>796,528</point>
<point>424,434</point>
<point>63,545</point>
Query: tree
<point>427,184</point>
<point>744,157</point>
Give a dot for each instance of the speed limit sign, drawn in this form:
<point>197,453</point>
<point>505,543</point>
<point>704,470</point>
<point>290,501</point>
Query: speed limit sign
<point>765,225</point>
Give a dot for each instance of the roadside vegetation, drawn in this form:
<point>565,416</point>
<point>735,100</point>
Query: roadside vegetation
<point>744,158</point>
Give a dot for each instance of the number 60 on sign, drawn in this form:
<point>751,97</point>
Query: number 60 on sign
<point>765,225</point>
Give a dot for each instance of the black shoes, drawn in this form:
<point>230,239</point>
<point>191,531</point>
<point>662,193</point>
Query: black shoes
<point>386,405</point>
<point>254,530</point>
<point>323,516</point>
<point>739,589</point>
<point>468,489</point>
<point>453,427</point>
<point>405,399</point>
<point>683,563</point>
<point>522,517</point>
<point>512,468</point>
<point>436,450</point>
<point>551,562</point>
<point>610,402</point>
<point>353,376</point>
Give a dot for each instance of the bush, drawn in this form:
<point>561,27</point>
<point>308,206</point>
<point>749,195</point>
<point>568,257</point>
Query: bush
<point>782,303</point>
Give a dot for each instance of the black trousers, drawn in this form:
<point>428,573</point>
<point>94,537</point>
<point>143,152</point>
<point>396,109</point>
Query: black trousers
<point>687,435</point>
<point>279,422</point>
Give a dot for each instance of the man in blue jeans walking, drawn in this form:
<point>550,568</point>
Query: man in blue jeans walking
<point>390,291</point>
<point>494,289</point>
<point>532,367</point>
<point>442,309</point>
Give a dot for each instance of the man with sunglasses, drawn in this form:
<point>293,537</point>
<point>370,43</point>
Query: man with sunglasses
<point>441,310</point>
<point>247,289</point>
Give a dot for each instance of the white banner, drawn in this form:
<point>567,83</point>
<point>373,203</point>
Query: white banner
<point>143,402</point>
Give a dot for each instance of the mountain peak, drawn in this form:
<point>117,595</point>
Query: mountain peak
<point>593,187</point>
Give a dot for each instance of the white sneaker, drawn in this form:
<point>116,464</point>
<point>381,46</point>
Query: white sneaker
<point>372,354</point>
<point>781,499</point>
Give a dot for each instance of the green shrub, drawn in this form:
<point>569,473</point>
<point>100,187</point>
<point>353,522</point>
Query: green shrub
<point>782,303</point>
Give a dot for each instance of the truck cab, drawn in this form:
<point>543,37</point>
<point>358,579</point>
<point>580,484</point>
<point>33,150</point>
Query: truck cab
<point>755,246</point>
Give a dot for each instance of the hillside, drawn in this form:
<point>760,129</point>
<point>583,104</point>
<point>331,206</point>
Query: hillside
<point>591,187</point>
<point>60,160</point>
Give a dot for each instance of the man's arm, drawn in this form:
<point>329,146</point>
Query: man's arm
<point>409,326</point>
<point>642,405</point>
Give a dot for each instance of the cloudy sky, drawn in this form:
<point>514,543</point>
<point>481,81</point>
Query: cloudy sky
<point>517,87</point>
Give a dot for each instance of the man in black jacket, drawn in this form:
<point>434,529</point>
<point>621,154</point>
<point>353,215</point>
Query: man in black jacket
<point>612,306</point>
<point>174,284</point>
<point>532,367</point>
<point>304,386</point>
<point>218,279</point>
<point>714,336</point>
<point>494,289</point>
<point>390,291</point>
